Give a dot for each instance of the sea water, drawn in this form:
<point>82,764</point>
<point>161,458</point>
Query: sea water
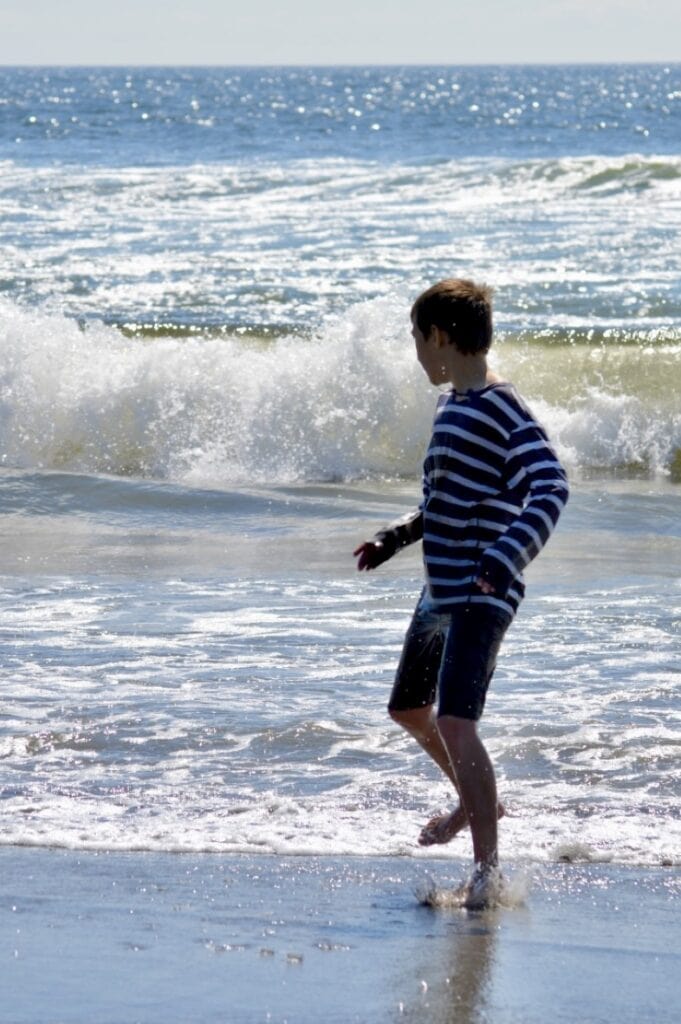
<point>209,397</point>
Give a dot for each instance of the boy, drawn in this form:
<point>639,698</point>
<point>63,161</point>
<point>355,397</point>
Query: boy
<point>493,489</point>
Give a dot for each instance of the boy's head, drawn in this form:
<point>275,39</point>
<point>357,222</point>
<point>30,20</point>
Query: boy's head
<point>460,308</point>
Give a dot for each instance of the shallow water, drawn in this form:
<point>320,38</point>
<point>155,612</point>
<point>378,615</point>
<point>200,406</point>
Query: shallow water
<point>218,683</point>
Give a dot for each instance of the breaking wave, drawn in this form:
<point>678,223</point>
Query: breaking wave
<point>349,402</point>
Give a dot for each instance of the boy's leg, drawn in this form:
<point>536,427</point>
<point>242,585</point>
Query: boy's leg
<point>421,723</point>
<point>468,663</point>
<point>476,784</point>
<point>412,707</point>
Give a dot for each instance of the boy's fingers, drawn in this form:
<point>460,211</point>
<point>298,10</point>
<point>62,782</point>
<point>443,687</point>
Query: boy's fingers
<point>483,585</point>
<point>362,552</point>
<point>367,553</point>
<point>367,548</point>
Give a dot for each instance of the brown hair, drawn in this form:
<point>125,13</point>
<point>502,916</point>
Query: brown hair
<point>459,307</point>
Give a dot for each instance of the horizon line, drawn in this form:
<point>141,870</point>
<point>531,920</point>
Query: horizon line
<point>345,64</point>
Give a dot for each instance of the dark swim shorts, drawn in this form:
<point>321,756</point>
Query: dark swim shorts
<point>453,654</point>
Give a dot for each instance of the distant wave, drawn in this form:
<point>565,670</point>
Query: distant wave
<point>637,174</point>
<point>348,403</point>
<point>581,240</point>
<point>608,175</point>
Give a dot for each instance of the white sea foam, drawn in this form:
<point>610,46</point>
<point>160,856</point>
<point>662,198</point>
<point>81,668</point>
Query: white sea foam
<point>574,240</point>
<point>216,411</point>
<point>248,714</point>
<point>349,402</point>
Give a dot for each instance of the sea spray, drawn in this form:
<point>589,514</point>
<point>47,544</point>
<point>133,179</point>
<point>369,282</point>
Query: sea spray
<point>348,402</point>
<point>510,892</point>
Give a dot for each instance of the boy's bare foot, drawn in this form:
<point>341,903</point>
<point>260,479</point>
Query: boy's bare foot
<point>484,890</point>
<point>443,827</point>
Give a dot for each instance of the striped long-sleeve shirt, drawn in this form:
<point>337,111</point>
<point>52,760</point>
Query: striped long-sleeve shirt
<point>493,489</point>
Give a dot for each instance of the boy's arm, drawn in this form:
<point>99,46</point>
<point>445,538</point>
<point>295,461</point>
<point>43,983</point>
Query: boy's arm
<point>386,542</point>
<point>531,457</point>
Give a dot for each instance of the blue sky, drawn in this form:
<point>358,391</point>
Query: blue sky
<point>351,31</point>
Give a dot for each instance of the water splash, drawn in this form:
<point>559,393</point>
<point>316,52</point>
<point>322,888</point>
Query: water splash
<point>349,402</point>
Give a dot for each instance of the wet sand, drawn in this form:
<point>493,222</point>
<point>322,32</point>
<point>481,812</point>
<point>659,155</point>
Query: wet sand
<point>137,937</point>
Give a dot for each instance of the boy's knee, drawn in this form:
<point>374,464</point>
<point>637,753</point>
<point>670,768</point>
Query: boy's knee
<point>396,714</point>
<point>414,720</point>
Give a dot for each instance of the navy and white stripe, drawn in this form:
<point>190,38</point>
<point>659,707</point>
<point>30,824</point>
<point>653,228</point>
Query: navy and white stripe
<point>493,489</point>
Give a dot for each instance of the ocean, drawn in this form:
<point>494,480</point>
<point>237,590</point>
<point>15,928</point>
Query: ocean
<point>209,397</point>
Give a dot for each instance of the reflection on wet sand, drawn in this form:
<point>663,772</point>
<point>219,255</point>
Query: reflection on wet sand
<point>455,988</point>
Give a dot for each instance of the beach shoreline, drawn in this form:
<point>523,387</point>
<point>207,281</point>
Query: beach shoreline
<point>146,937</point>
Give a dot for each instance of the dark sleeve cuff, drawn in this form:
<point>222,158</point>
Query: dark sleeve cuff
<point>388,541</point>
<point>399,534</point>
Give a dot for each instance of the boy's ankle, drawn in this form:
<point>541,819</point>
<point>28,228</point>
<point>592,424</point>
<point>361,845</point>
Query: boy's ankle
<point>488,866</point>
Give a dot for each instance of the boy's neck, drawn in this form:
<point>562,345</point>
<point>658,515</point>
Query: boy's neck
<point>469,372</point>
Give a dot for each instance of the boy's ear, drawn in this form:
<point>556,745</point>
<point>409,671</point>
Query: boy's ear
<point>440,337</point>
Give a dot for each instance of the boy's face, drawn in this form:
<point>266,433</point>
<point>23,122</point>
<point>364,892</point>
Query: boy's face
<point>428,354</point>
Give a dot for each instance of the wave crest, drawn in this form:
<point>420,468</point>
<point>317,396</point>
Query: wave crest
<point>347,403</point>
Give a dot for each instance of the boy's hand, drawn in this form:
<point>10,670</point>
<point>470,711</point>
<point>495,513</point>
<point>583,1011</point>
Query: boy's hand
<point>369,555</point>
<point>483,585</point>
